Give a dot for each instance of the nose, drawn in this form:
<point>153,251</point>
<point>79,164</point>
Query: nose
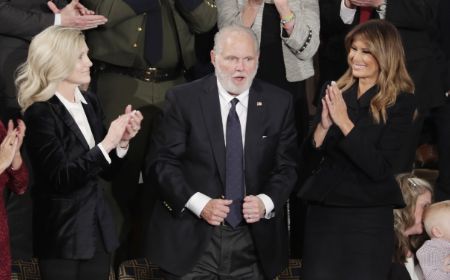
<point>239,65</point>
<point>88,62</point>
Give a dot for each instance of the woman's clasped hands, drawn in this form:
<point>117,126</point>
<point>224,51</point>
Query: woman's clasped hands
<point>123,129</point>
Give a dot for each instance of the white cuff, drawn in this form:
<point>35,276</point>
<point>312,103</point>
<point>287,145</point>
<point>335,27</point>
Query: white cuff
<point>268,204</point>
<point>105,154</point>
<point>57,19</point>
<point>347,14</point>
<point>197,202</point>
<point>121,152</point>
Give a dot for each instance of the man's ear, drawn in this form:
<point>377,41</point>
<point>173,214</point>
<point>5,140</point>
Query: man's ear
<point>213,57</point>
<point>436,232</point>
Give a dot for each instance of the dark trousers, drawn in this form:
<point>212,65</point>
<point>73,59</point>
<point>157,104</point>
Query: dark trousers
<point>229,255</point>
<point>96,268</point>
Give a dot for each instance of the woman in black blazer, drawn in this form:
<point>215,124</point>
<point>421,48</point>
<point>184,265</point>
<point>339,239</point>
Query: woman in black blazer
<point>354,149</point>
<point>69,150</point>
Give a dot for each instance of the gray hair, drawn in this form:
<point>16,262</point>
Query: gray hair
<point>228,30</point>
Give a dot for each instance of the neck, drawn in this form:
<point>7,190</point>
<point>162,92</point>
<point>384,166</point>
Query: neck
<point>67,91</point>
<point>364,85</point>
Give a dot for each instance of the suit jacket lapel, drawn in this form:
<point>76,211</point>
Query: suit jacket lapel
<point>210,106</point>
<point>67,118</point>
<point>254,128</point>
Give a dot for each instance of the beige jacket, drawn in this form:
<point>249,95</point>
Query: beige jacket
<point>299,64</point>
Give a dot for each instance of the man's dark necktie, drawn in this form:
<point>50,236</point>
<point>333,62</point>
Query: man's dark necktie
<point>234,185</point>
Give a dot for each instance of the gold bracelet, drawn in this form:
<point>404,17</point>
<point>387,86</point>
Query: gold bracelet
<point>287,19</point>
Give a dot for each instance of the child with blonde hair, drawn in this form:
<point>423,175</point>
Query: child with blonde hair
<point>434,255</point>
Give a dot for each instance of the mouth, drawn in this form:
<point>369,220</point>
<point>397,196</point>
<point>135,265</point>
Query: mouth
<point>358,66</point>
<point>239,78</point>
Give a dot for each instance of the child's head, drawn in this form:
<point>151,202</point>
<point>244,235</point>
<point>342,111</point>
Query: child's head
<point>417,194</point>
<point>437,220</point>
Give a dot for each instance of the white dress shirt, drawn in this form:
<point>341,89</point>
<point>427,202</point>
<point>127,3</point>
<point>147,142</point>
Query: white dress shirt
<point>199,200</point>
<point>79,116</point>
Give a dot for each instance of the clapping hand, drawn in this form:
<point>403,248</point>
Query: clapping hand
<point>8,148</point>
<point>366,3</point>
<point>133,126</point>
<point>337,108</point>
<point>76,15</point>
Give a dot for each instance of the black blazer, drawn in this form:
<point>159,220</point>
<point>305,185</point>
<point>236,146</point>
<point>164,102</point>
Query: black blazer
<point>358,170</point>
<point>20,20</point>
<point>413,19</point>
<point>189,157</point>
<point>68,204</point>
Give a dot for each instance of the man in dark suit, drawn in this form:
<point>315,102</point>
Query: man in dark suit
<point>20,20</point>
<point>224,157</point>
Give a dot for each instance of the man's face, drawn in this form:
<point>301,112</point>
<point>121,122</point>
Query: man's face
<point>236,62</point>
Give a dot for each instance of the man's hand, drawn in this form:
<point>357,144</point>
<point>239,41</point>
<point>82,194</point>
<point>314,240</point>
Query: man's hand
<point>253,209</point>
<point>76,15</point>
<point>365,3</point>
<point>215,211</point>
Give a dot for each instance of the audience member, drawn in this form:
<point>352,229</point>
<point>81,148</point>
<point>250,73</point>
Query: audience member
<point>286,60</point>
<point>417,194</point>
<point>225,160</point>
<point>69,149</point>
<point>145,49</point>
<point>13,175</point>
<point>434,255</point>
<point>357,135</point>
<point>20,20</point>
<point>413,19</point>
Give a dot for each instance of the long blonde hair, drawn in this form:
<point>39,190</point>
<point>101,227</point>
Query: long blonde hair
<point>412,187</point>
<point>385,45</point>
<point>51,59</point>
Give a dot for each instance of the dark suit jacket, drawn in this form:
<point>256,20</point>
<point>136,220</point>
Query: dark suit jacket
<point>358,170</point>
<point>190,158</point>
<point>413,19</point>
<point>20,20</point>
<point>68,203</point>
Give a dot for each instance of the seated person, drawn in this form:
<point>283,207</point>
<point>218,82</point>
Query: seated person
<point>408,228</point>
<point>434,255</point>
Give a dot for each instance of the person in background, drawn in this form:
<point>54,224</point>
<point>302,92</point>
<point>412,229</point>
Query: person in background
<point>417,194</point>
<point>288,36</point>
<point>434,255</point>
<point>69,150</point>
<point>13,175</point>
<point>362,124</point>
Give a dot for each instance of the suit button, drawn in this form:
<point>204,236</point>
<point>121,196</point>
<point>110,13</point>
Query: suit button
<point>135,45</point>
<point>139,28</point>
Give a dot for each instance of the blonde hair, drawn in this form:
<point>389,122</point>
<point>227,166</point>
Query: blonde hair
<point>385,45</point>
<point>434,214</point>
<point>51,59</point>
<point>412,187</point>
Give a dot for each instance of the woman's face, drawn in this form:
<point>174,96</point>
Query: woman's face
<point>81,73</point>
<point>362,62</point>
<point>422,202</point>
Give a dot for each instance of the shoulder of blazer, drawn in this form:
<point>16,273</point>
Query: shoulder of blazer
<point>406,102</point>
<point>270,91</point>
<point>202,85</point>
